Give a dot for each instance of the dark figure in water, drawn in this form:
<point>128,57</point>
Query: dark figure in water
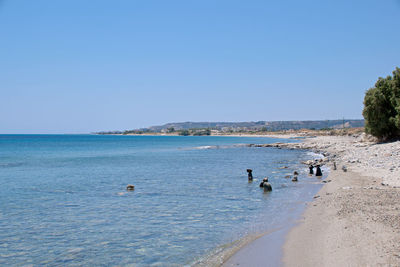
<point>311,169</point>
<point>250,174</point>
<point>318,172</point>
<point>264,184</point>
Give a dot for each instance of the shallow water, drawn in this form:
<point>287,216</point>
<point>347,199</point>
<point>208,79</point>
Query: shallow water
<point>63,199</point>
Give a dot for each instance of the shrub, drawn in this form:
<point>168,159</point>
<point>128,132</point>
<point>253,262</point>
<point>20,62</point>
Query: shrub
<point>382,107</point>
<point>184,132</point>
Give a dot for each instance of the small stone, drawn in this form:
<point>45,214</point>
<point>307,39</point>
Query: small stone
<point>130,187</point>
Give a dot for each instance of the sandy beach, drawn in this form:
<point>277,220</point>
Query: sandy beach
<point>355,218</point>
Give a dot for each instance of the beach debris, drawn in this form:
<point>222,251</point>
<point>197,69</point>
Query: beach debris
<point>283,167</point>
<point>130,187</point>
<point>288,176</point>
<point>344,168</point>
<point>346,187</point>
<point>317,196</point>
<point>318,172</point>
<point>250,174</point>
<point>264,184</point>
<point>334,166</point>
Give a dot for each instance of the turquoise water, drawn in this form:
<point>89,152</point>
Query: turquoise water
<point>63,199</point>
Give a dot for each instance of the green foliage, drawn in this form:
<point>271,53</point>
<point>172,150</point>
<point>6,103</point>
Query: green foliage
<point>382,107</point>
<point>184,132</point>
<point>200,132</point>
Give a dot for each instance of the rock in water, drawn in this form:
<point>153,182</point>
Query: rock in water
<point>130,187</point>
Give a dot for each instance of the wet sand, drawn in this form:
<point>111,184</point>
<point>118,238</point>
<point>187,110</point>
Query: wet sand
<point>264,251</point>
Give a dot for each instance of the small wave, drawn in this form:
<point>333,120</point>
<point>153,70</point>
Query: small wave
<point>216,147</point>
<point>206,147</point>
<point>315,155</point>
<point>10,165</point>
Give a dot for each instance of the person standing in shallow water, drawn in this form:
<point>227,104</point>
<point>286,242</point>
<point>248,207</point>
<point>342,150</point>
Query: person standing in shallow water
<point>264,184</point>
<point>318,172</point>
<point>250,174</point>
<point>311,169</point>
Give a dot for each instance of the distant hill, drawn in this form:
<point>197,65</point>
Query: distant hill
<point>269,125</point>
<point>251,126</point>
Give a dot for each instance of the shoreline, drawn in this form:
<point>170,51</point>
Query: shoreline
<point>251,245</point>
<point>266,250</point>
<point>354,219</point>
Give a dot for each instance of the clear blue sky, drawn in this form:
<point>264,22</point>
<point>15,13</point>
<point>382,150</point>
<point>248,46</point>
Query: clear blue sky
<point>73,66</point>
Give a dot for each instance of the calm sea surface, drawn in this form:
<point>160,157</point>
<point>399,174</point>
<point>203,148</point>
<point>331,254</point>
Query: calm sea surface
<point>63,199</point>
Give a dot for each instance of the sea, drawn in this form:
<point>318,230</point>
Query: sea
<point>63,198</point>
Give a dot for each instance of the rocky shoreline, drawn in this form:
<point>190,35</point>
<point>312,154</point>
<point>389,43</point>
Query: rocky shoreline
<point>355,219</point>
<point>360,153</point>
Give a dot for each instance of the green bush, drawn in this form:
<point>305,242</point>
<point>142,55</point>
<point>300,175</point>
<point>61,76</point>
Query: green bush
<point>184,132</point>
<point>382,107</point>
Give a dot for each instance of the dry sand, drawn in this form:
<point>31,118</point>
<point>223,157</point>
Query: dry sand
<point>355,218</point>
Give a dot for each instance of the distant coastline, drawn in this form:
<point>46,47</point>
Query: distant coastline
<point>279,134</point>
<point>239,128</point>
